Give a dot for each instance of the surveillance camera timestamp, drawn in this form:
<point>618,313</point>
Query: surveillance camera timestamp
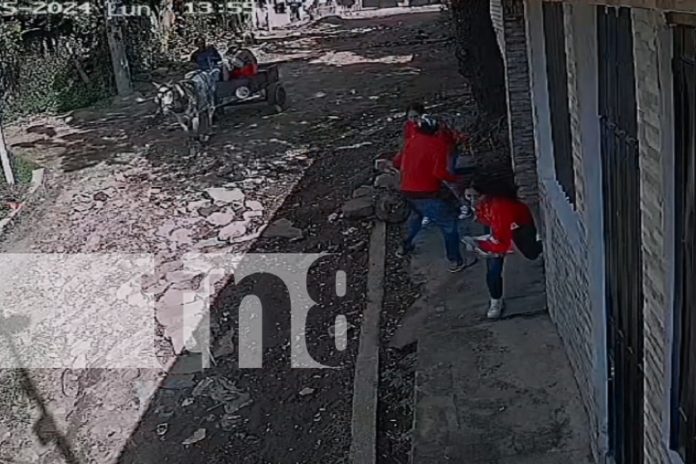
<point>230,7</point>
<point>40,8</point>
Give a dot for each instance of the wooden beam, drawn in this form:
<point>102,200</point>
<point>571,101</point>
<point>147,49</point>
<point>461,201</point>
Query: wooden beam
<point>681,6</point>
<point>681,19</point>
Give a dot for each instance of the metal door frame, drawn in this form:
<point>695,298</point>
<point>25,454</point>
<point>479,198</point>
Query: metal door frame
<point>622,233</point>
<point>684,68</point>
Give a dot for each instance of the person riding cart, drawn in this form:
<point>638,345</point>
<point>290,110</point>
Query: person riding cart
<point>205,56</point>
<point>239,62</point>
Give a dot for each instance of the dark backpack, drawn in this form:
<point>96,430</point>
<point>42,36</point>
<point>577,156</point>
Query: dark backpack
<point>525,239</point>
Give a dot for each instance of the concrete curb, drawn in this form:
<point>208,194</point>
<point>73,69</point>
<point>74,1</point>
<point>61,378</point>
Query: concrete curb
<point>37,178</point>
<point>363,448</point>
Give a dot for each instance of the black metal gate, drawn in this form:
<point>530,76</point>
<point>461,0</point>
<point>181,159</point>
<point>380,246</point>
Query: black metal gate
<point>622,233</point>
<point>685,176</point>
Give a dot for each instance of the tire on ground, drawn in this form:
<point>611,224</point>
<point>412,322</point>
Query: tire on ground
<point>391,207</point>
<point>277,97</point>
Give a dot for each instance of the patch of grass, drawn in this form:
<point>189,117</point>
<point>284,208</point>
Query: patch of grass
<point>21,168</point>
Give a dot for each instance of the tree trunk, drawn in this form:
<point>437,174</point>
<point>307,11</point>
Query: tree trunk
<point>480,60</point>
<point>119,59</point>
<point>167,21</point>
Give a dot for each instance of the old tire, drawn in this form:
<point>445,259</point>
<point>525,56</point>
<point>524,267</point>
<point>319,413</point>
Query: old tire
<point>391,207</point>
<point>277,97</point>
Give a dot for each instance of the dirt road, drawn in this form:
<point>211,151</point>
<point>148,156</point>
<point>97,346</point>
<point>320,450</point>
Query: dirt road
<point>120,183</point>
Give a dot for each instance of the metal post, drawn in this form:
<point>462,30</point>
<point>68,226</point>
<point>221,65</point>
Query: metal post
<point>5,158</point>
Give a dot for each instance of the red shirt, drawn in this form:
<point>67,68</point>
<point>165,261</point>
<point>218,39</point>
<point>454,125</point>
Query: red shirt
<point>247,71</point>
<point>423,162</point>
<point>502,215</point>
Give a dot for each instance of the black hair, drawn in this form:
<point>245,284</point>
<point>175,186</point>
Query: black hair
<point>427,125</point>
<point>417,107</point>
<point>493,185</point>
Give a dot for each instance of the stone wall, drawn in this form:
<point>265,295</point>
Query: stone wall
<point>653,96</point>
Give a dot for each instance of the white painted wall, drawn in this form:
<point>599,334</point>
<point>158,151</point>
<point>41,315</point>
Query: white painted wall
<point>583,23</point>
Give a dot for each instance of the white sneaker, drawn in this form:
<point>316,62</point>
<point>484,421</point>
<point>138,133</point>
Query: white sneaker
<point>495,309</point>
<point>425,221</point>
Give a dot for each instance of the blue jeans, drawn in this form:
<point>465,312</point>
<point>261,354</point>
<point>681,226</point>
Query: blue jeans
<point>440,213</point>
<point>494,276</point>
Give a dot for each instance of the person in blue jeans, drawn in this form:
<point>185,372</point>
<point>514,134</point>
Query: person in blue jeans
<point>441,214</point>
<point>424,166</point>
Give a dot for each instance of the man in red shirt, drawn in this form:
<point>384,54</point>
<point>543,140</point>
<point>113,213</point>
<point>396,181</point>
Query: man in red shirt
<point>454,138</point>
<point>424,165</point>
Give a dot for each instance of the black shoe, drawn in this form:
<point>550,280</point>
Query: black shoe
<point>456,267</point>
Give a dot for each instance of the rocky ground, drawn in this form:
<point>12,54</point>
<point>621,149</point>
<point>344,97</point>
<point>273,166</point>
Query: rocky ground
<point>121,182</point>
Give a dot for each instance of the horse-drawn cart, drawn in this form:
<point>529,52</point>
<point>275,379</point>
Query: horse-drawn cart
<point>264,86</point>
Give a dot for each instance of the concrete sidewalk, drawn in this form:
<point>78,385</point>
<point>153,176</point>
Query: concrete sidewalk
<point>489,392</point>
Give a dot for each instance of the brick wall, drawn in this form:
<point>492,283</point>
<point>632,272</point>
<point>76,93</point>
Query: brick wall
<point>651,123</point>
<point>568,296</point>
<point>509,23</point>
<point>520,121</point>
<point>497,20</point>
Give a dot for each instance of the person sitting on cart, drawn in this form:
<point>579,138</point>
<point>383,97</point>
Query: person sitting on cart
<point>241,61</point>
<point>205,56</point>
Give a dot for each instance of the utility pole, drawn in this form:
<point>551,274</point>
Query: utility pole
<point>5,158</point>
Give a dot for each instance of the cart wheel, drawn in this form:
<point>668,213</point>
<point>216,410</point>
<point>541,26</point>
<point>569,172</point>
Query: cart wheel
<point>391,207</point>
<point>277,97</point>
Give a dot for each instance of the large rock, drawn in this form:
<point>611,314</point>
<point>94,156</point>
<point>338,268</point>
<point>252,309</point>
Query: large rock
<point>387,180</point>
<point>358,208</point>
<point>383,164</point>
<point>254,205</point>
<point>196,205</point>
<point>283,228</point>
<point>224,195</point>
<point>182,236</point>
<point>364,191</point>
<point>249,215</point>
<point>220,219</point>
<point>233,230</point>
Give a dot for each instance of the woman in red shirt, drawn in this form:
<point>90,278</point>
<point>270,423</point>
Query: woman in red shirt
<point>499,209</point>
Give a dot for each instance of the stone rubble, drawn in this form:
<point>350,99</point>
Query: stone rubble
<point>197,436</point>
<point>358,208</point>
